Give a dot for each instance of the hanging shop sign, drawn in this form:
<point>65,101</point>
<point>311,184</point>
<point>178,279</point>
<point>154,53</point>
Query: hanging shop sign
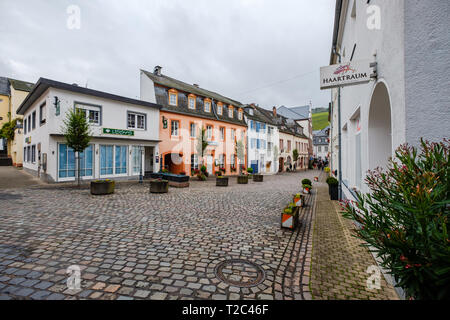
<point>344,74</point>
<point>118,132</point>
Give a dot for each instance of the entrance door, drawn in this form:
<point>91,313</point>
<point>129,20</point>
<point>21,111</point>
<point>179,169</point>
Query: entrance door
<point>209,164</point>
<point>148,162</point>
<point>261,165</point>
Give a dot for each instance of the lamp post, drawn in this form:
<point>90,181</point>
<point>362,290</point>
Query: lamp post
<point>339,131</point>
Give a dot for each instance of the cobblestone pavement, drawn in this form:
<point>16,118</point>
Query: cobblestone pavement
<point>339,263</point>
<point>12,177</point>
<point>202,242</point>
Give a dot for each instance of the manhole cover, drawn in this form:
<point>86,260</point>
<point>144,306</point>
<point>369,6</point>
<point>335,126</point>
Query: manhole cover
<point>240,273</point>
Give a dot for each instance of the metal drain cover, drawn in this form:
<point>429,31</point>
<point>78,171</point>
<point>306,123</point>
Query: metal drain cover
<point>240,273</point>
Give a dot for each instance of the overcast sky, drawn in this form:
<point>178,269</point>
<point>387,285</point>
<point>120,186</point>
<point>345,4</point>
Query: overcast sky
<point>264,51</point>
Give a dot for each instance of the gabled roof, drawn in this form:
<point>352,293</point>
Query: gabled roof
<point>21,85</point>
<point>259,114</point>
<point>163,83</point>
<point>284,124</point>
<point>43,84</point>
<point>4,86</point>
<point>183,86</point>
<point>295,113</point>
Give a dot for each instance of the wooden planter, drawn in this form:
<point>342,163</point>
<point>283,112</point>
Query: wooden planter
<point>222,181</point>
<point>258,178</point>
<point>290,221</point>
<point>299,202</point>
<point>102,187</point>
<point>242,179</point>
<point>159,186</point>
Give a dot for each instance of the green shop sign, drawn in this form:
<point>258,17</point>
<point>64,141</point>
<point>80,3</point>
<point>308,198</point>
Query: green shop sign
<point>118,131</point>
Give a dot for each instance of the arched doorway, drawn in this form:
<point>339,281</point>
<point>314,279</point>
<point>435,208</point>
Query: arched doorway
<point>281,164</point>
<point>380,128</point>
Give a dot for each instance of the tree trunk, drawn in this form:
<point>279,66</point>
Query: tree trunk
<point>78,169</point>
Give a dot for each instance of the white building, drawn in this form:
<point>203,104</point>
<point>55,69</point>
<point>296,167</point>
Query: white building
<point>320,143</point>
<point>263,140</point>
<point>124,133</point>
<point>409,99</point>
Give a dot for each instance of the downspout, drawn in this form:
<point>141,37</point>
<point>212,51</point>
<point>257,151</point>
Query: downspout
<point>339,131</point>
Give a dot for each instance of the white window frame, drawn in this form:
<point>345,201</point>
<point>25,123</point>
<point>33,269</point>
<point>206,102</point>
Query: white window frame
<point>136,115</point>
<point>177,133</point>
<point>171,94</point>
<point>230,112</point>
<point>192,107</point>
<point>87,108</point>
<point>207,103</point>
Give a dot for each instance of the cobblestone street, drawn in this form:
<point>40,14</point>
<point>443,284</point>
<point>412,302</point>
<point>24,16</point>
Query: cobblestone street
<point>202,242</point>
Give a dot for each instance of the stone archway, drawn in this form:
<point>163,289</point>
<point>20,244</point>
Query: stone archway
<point>380,127</point>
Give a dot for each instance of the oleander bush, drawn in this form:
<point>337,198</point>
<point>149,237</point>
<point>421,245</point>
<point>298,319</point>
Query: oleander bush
<point>405,218</point>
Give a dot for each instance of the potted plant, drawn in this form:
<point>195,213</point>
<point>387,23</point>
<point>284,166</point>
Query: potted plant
<point>289,217</point>
<point>316,179</point>
<point>221,181</point>
<point>306,188</point>
<point>307,181</point>
<point>258,178</point>
<point>298,200</point>
<point>242,179</point>
<point>333,188</point>
<point>101,187</point>
<point>159,186</point>
<point>182,173</point>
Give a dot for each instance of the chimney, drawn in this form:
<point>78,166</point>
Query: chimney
<point>157,71</point>
<point>196,85</point>
<point>274,111</point>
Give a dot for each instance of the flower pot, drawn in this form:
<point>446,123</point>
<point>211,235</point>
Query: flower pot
<point>290,221</point>
<point>258,178</point>
<point>159,186</point>
<point>242,179</point>
<point>334,191</point>
<point>306,191</point>
<point>102,187</point>
<point>222,181</point>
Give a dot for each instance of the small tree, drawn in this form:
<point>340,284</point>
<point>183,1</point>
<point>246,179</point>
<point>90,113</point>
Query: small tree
<point>8,129</point>
<point>240,153</point>
<point>406,219</point>
<point>77,134</point>
<point>295,155</point>
<point>202,144</point>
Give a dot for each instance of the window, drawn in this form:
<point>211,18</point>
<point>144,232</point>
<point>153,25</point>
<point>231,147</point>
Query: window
<point>106,160</point>
<point>191,101</point>
<point>233,134</point>
<point>136,159</point>
<point>42,114</point>
<point>207,106</point>
<point>209,132</point>
<point>240,115</point>
<point>230,111</point>
<point>319,148</point>
<point>33,153</point>
<point>281,145</point>
<point>121,157</point>
<point>173,97</point>
<point>221,161</point>
<point>91,112</point>
<point>269,130</point>
<point>67,163</point>
<point>33,119</point>
<point>174,128</point>
<point>25,126</point>
<point>326,149</point>
<point>253,143</point>
<point>193,130</point>
<point>258,126</point>
<point>29,154</point>
<point>29,123</point>
<point>232,161</point>
<point>250,112</point>
<point>219,108</point>
<point>269,146</point>
<point>222,133</point>
<point>136,120</point>
<point>289,146</point>
<point>194,162</point>
<point>25,154</point>
<point>86,161</point>
<point>252,125</point>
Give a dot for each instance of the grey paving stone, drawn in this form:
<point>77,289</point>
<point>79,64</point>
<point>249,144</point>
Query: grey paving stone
<point>142,293</point>
<point>24,292</point>
<point>40,295</point>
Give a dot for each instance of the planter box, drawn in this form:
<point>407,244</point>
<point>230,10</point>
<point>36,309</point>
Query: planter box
<point>102,187</point>
<point>306,191</point>
<point>298,201</point>
<point>222,182</point>
<point>334,191</point>
<point>290,221</point>
<point>258,178</point>
<point>242,179</point>
<point>170,177</point>
<point>159,186</point>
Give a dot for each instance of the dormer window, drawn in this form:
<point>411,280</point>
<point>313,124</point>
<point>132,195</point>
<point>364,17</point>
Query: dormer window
<point>240,114</point>
<point>250,112</point>
<point>207,105</point>
<point>220,108</point>
<point>173,97</point>
<point>230,111</point>
<point>191,101</point>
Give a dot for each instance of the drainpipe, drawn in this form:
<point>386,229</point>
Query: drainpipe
<point>339,131</point>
